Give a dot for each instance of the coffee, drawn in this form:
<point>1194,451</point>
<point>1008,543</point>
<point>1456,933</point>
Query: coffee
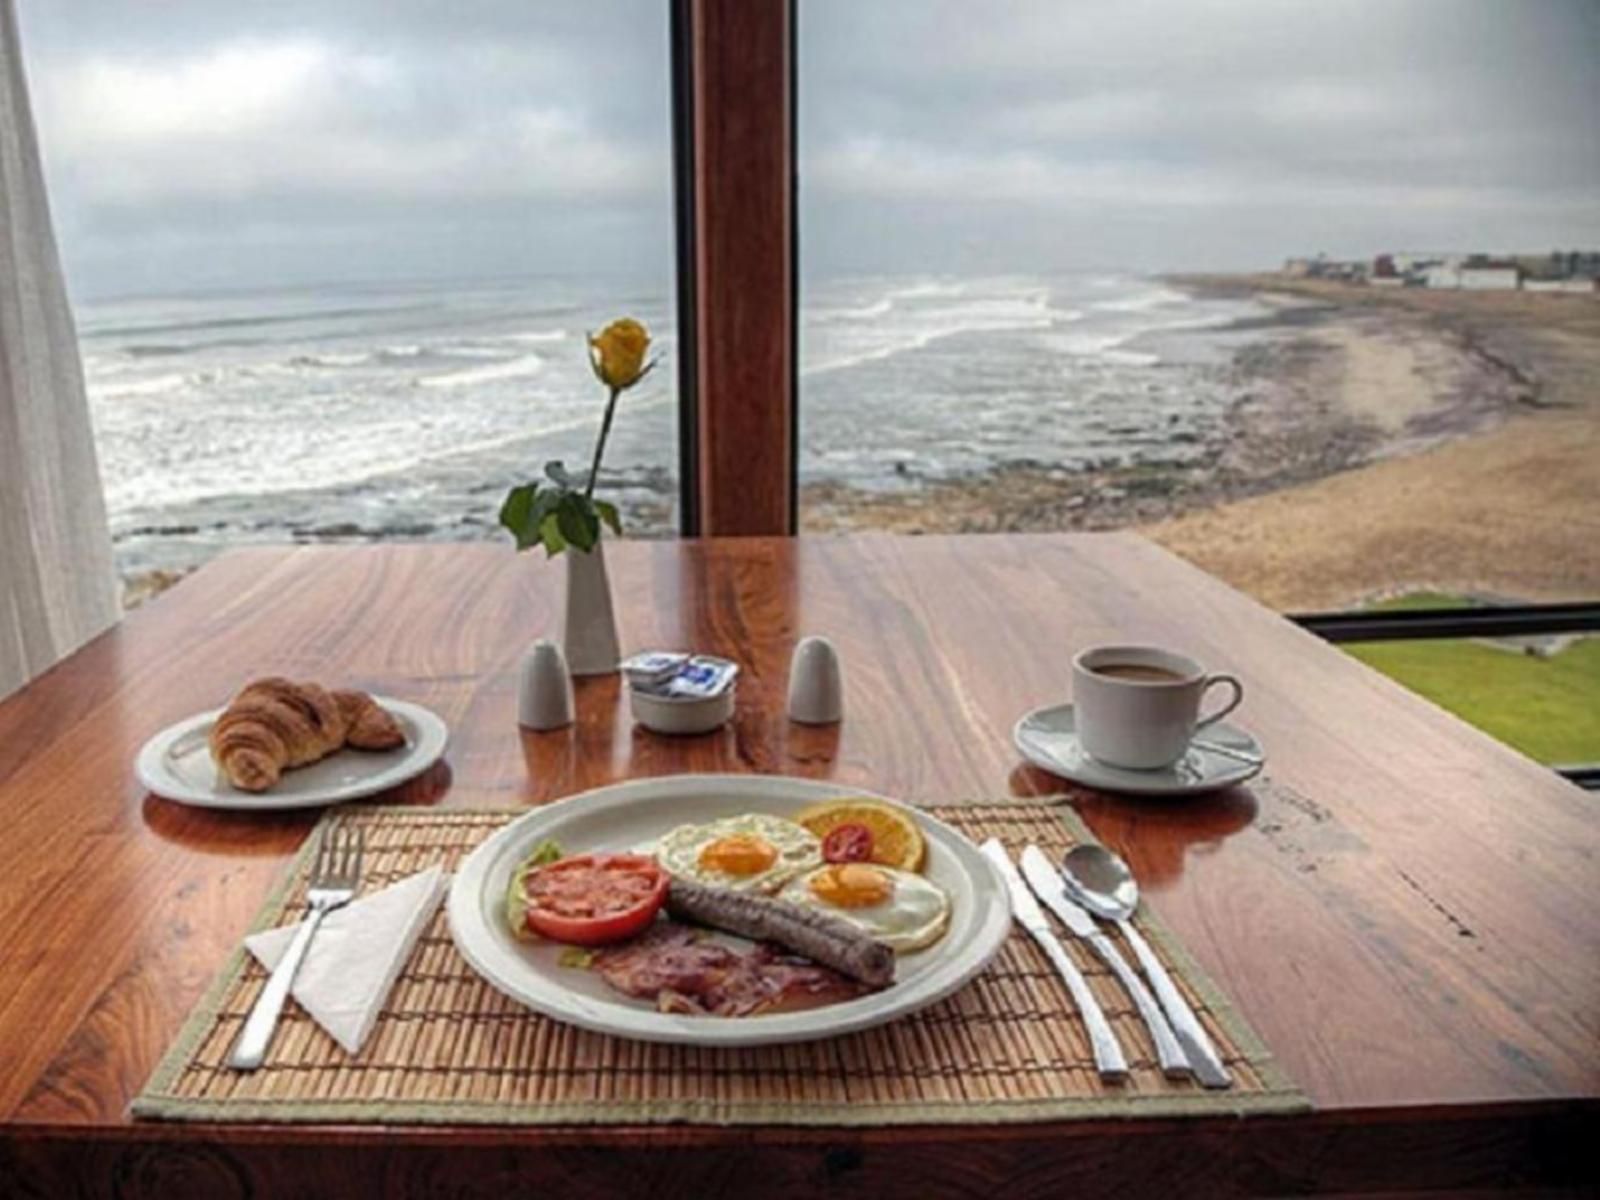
<point>1137,673</point>
<point>1137,707</point>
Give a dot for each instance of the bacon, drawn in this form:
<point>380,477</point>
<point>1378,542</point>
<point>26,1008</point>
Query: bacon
<point>683,974</point>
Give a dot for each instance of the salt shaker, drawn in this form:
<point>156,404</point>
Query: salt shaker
<point>544,688</point>
<point>816,684</point>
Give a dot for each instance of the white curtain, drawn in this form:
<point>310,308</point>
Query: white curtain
<point>57,586</point>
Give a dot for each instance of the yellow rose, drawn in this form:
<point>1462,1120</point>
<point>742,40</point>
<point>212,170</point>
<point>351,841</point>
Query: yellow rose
<point>617,353</point>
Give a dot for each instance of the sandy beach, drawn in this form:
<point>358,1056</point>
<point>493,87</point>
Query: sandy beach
<point>1381,442</point>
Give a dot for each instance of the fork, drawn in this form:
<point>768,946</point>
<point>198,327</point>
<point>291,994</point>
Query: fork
<point>335,877</point>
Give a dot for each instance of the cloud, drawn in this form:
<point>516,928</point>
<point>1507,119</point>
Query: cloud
<point>399,135</point>
<point>1175,134</point>
<point>265,119</point>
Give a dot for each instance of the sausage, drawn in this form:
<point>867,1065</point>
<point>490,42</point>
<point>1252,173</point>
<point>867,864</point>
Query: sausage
<point>826,939</point>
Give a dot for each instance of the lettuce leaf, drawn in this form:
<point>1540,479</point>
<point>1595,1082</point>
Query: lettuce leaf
<point>543,854</point>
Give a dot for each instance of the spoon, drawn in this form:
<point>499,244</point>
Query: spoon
<point>1243,756</point>
<point>1101,882</point>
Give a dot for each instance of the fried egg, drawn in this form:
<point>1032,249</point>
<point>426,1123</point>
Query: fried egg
<point>901,908</point>
<point>753,852</point>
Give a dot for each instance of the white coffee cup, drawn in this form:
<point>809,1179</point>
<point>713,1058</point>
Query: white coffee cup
<point>1138,707</point>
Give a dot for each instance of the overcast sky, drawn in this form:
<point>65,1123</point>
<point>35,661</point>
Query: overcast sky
<point>217,142</point>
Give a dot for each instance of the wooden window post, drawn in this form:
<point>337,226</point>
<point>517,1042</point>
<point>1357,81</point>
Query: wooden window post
<point>736,241</point>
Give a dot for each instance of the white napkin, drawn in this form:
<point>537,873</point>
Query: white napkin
<point>357,954</point>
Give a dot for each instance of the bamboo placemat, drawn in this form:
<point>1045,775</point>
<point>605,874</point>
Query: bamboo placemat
<point>448,1048</point>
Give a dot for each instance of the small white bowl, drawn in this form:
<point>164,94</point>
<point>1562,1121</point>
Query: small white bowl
<point>681,715</point>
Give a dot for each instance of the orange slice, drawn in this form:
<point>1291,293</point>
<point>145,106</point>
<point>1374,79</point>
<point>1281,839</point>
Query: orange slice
<point>896,840</point>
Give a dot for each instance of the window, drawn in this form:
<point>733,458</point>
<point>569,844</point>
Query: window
<point>332,264</point>
<point>1306,293</point>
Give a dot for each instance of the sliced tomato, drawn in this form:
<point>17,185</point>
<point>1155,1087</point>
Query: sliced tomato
<point>847,843</point>
<point>593,899</point>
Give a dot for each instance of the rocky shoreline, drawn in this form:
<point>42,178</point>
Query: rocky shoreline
<point>1292,422</point>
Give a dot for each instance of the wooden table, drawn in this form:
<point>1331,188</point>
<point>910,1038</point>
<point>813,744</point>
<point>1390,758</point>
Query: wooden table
<point>1403,908</point>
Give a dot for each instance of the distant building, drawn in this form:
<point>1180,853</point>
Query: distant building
<point>1572,271</point>
<point>1489,275</point>
<point>1578,284</point>
<point>1332,268</point>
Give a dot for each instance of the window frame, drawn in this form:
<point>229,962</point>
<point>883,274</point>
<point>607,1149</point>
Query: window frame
<point>711,51</point>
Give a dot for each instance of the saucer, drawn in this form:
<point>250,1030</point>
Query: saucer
<point>1048,739</point>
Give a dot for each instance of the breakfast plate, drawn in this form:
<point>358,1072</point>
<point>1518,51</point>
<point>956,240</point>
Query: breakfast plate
<point>1223,756</point>
<point>632,818</point>
<point>176,763</point>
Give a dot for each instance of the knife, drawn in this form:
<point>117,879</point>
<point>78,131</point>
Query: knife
<point>1042,878</point>
<point>1108,1057</point>
<point>1203,1057</point>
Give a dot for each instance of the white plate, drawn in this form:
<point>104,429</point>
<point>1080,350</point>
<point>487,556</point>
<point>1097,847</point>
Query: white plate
<point>176,763</point>
<point>632,816</point>
<point>1048,739</point>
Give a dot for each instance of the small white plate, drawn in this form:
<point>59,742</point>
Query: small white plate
<point>1048,739</point>
<point>633,816</point>
<point>176,763</point>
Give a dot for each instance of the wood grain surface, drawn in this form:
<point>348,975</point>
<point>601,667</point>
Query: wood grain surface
<point>1402,907</point>
<point>740,61</point>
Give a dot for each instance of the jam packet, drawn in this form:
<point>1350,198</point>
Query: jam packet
<point>703,675</point>
<point>651,669</point>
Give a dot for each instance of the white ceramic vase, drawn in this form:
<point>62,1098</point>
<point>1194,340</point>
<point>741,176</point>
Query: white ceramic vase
<point>589,625</point>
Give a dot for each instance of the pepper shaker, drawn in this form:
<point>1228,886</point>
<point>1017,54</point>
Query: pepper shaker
<point>816,683</point>
<point>544,688</point>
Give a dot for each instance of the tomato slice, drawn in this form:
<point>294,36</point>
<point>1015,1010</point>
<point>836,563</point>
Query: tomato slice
<point>593,899</point>
<point>847,843</point>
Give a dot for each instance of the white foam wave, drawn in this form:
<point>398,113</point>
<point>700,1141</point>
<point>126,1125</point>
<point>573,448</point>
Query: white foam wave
<point>1144,302</point>
<point>347,462</point>
<point>536,337</point>
<point>864,313</point>
<point>1104,346</point>
<point>928,290</point>
<point>160,385</point>
<point>515,368</point>
<point>1024,310</point>
<point>353,359</point>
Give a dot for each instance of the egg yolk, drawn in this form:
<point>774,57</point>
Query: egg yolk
<point>851,885</point>
<point>738,854</point>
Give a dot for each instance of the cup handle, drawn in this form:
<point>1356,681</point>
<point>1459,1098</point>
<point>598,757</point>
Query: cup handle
<point>1238,697</point>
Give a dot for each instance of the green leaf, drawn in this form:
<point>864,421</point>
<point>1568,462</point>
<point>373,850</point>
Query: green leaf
<point>517,514</point>
<point>576,518</point>
<point>576,958</point>
<point>545,853</point>
<point>608,514</point>
<point>550,535</point>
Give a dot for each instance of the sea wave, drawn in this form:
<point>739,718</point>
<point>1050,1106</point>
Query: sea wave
<point>158,385</point>
<point>515,368</point>
<point>344,464</point>
<point>357,358</point>
<point>1143,302</point>
<point>536,337</point>
<point>243,320</point>
<point>1030,309</point>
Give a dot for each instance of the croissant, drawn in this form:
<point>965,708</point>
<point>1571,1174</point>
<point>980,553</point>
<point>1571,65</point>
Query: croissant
<point>275,724</point>
<point>370,725</point>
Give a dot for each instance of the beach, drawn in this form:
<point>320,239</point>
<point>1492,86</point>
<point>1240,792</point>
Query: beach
<point>1378,442</point>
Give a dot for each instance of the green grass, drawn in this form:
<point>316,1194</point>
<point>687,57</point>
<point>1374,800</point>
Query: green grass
<point>1548,708</point>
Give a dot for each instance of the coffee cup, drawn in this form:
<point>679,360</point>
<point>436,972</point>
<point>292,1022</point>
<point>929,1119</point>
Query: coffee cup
<point>1138,707</point>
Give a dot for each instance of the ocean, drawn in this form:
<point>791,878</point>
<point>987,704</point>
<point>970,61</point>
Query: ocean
<point>405,411</point>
